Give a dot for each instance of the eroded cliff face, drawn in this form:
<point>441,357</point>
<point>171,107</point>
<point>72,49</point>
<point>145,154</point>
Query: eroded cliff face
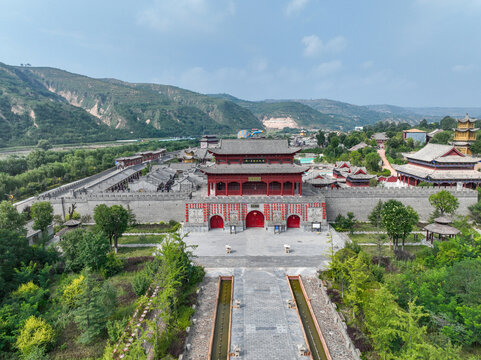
<point>279,123</point>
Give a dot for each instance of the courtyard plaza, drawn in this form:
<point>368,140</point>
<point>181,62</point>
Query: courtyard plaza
<point>257,247</point>
<point>263,327</point>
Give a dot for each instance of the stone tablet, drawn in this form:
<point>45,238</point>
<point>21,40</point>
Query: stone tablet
<point>314,214</point>
<point>196,216</point>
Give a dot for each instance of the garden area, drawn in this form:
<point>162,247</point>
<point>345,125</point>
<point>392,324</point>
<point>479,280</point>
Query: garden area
<point>406,301</point>
<point>74,300</point>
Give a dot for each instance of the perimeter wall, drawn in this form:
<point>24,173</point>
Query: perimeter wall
<point>362,201</point>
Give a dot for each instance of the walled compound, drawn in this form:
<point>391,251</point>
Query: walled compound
<point>183,192</point>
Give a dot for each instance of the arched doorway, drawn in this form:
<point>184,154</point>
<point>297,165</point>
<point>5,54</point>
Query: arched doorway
<point>216,222</point>
<point>293,221</point>
<point>255,219</point>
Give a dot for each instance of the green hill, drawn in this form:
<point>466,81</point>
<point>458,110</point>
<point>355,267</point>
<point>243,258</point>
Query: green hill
<point>47,103</point>
<point>303,115</point>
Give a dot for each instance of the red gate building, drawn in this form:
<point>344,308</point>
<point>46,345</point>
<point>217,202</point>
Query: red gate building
<point>254,183</point>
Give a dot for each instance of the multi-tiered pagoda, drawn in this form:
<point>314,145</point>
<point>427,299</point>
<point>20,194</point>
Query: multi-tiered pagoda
<point>465,134</point>
<point>254,183</point>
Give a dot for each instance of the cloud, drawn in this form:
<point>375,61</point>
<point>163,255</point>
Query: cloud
<point>463,68</point>
<point>327,68</point>
<point>175,15</point>
<point>295,6</point>
<point>314,46</point>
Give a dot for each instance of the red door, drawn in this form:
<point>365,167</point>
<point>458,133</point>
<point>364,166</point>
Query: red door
<point>255,219</point>
<point>216,222</point>
<point>293,221</point>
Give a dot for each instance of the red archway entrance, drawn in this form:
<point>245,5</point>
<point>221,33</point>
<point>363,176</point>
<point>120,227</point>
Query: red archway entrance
<point>255,219</point>
<point>216,222</point>
<point>293,221</point>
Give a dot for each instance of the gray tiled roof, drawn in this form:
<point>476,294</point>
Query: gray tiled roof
<point>435,152</point>
<point>432,174</point>
<point>380,136</point>
<point>434,132</point>
<point>465,130</point>
<point>466,118</point>
<point>254,146</point>
<point>255,169</point>
<point>361,145</point>
<point>441,229</point>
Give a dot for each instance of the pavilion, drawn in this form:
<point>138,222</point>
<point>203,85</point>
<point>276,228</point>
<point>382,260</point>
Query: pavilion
<point>441,228</point>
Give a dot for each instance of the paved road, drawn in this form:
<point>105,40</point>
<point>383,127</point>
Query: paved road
<point>385,162</point>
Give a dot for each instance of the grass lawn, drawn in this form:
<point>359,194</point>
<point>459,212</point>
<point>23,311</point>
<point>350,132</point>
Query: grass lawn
<point>142,239</point>
<point>134,252</point>
<point>149,228</point>
<point>372,238</point>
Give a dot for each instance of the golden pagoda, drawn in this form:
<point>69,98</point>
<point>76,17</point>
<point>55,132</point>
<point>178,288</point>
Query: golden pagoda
<point>465,134</point>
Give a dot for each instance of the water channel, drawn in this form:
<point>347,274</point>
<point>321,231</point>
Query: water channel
<point>221,336</point>
<point>313,337</point>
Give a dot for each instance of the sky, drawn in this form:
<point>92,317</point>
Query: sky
<point>399,52</point>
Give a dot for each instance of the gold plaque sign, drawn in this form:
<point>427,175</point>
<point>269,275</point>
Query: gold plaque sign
<point>254,178</point>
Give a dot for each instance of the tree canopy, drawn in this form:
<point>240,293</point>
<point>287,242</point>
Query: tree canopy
<point>444,202</point>
<point>113,221</point>
<point>42,215</point>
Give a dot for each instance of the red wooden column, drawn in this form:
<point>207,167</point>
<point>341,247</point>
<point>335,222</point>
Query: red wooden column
<point>282,188</point>
<point>267,182</point>
<point>226,189</point>
<point>208,188</point>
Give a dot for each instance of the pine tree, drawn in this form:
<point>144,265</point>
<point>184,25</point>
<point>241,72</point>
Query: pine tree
<point>94,307</point>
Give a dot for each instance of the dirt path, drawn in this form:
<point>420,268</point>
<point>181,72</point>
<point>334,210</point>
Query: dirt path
<point>385,162</point>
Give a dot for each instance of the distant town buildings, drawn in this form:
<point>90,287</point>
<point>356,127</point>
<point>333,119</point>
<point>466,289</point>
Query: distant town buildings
<point>465,134</point>
<point>354,176</point>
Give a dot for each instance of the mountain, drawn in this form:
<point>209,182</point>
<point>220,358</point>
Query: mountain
<point>47,103</point>
<point>287,113</point>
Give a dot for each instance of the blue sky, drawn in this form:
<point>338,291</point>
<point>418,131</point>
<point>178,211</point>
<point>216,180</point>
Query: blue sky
<point>401,52</point>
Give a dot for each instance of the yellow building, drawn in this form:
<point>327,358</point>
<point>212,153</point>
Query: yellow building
<point>465,134</point>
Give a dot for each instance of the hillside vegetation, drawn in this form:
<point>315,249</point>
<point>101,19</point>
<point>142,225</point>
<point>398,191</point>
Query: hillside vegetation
<point>48,103</point>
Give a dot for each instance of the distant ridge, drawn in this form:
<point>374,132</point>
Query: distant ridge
<point>47,103</point>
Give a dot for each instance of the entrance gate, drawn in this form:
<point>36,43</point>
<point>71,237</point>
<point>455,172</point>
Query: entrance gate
<point>293,221</point>
<point>216,222</point>
<point>255,219</point>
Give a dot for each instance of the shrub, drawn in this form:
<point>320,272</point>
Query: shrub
<point>35,334</point>
<point>115,328</point>
<point>72,292</point>
<point>140,283</point>
<point>112,266</point>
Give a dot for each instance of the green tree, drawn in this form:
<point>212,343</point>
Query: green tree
<point>441,138</point>
<point>321,138</point>
<point>42,215</point>
<point>444,202</point>
<point>398,220</point>
<point>373,182</point>
<point>375,216</point>
<point>475,212</point>
<point>13,250</point>
<point>383,321</point>
<point>95,304</point>
<point>448,123</point>
<point>82,248</point>
<point>44,144</point>
<point>359,276</point>
<point>372,161</point>
<point>113,221</point>
<point>10,219</point>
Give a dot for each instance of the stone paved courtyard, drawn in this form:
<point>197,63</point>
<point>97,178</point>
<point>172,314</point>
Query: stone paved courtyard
<point>264,327</point>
